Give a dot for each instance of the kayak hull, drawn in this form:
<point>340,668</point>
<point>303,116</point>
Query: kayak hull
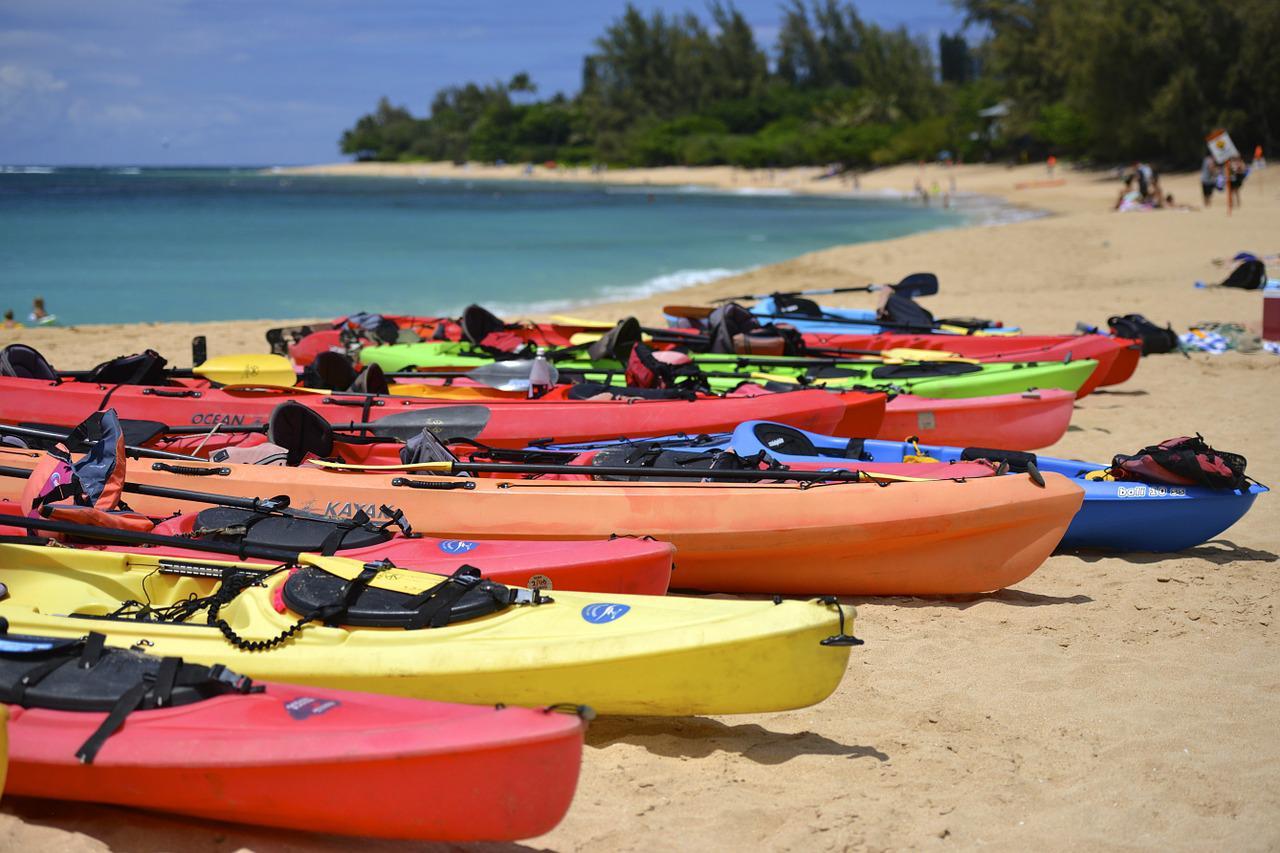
<point>621,654</point>
<point>502,423</point>
<point>351,763</point>
<point>1009,421</point>
<point>936,538</point>
<point>1115,515</point>
<point>619,565</point>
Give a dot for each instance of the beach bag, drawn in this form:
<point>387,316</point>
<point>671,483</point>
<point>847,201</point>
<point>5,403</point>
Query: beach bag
<point>1250,275</point>
<point>1136,327</point>
<point>1183,461</point>
<point>144,368</point>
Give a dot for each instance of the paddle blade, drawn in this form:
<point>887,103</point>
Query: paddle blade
<point>688,312</point>
<point>918,284</point>
<point>444,422</point>
<point>509,375</point>
<point>259,370</point>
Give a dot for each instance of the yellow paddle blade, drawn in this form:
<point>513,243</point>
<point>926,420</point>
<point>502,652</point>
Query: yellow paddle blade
<point>563,320</point>
<point>251,369</point>
<point>580,338</point>
<point>442,467</point>
<point>909,354</point>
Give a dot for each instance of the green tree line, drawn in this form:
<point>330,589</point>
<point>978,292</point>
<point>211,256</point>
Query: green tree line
<point>1104,79</point>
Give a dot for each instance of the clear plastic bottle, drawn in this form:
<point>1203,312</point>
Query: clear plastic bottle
<point>540,379</point>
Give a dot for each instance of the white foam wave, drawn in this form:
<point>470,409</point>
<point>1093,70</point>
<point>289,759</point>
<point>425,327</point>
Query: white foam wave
<point>28,170</point>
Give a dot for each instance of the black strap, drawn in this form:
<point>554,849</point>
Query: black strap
<point>433,606</point>
<point>125,705</point>
<point>165,677</point>
<point>92,651</point>
<point>190,470</point>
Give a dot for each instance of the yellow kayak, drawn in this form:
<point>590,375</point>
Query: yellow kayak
<point>618,654</point>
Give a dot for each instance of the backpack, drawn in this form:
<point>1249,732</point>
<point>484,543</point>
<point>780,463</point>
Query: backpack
<point>1250,275</point>
<point>1138,328</point>
<point>1183,461</point>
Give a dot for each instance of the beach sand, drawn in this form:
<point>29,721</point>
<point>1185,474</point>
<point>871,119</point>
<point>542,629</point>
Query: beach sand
<point>1104,703</point>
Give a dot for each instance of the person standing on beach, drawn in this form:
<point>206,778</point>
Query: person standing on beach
<point>1049,164</point>
<point>1208,178</point>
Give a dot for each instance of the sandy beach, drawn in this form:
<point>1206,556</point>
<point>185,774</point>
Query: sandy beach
<point>1125,702</point>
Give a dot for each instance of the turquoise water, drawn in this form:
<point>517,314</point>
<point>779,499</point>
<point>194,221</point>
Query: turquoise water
<point>126,245</point>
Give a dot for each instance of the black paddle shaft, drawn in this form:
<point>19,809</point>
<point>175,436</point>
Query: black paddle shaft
<point>126,537</point>
<point>748,476</point>
<point>276,504</point>
<point>49,435</point>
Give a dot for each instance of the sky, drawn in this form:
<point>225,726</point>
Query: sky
<point>266,82</point>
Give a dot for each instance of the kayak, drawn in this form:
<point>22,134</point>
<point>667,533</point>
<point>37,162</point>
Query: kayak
<point>1026,421</point>
<point>1115,515</point>
<point>503,423</point>
<point>618,654</point>
<point>351,763</point>
<point>935,538</point>
<point>728,371</point>
<point>857,320</point>
<point>616,565</point>
<point>1117,357</point>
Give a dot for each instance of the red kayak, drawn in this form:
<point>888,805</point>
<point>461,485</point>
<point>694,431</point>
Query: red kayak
<point>1026,421</point>
<point>625,564</point>
<point>498,422</point>
<point>1117,357</point>
<point>302,758</point>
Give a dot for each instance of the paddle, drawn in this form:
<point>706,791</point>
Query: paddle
<point>243,370</point>
<point>126,537</point>
<point>733,475</point>
<point>461,421</point>
<point>278,505</point>
<point>916,284</point>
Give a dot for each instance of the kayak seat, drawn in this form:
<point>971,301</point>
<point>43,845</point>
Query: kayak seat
<point>247,527</point>
<point>783,439</point>
<point>1016,459</point>
<point>23,362</point>
<point>478,323</point>
<point>371,380</point>
<point>300,430</point>
<point>461,597</point>
<point>330,371</point>
<point>924,370</point>
<point>87,676</point>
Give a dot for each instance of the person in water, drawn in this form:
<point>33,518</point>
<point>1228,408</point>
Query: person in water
<point>9,322</point>
<point>38,314</point>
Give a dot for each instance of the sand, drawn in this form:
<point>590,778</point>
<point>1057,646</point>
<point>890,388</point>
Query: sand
<point>1104,703</point>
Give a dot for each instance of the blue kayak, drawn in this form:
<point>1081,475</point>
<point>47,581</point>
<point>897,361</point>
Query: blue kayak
<point>862,321</point>
<point>1115,516</point>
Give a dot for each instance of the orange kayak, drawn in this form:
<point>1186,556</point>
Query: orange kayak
<point>941,537</point>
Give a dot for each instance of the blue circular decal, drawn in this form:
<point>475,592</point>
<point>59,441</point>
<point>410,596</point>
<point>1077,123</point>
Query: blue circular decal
<point>598,614</point>
<point>456,546</point>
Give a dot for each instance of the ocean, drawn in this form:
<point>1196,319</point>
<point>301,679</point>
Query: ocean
<point>138,244</point>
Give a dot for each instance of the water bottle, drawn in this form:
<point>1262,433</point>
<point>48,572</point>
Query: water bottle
<point>540,380</point>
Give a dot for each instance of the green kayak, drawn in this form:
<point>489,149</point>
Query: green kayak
<point>937,379</point>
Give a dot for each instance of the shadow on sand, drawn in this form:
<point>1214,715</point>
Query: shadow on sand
<point>1137,392</point>
<point>1012,597</point>
<point>132,831</point>
<point>1221,552</point>
<point>699,737</point>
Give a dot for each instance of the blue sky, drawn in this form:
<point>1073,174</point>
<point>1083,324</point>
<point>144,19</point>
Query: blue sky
<point>276,81</point>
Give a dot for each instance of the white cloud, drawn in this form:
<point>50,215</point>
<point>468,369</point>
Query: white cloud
<point>21,80</point>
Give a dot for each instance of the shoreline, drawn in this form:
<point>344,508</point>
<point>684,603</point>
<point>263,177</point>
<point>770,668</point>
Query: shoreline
<point>1107,696</point>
